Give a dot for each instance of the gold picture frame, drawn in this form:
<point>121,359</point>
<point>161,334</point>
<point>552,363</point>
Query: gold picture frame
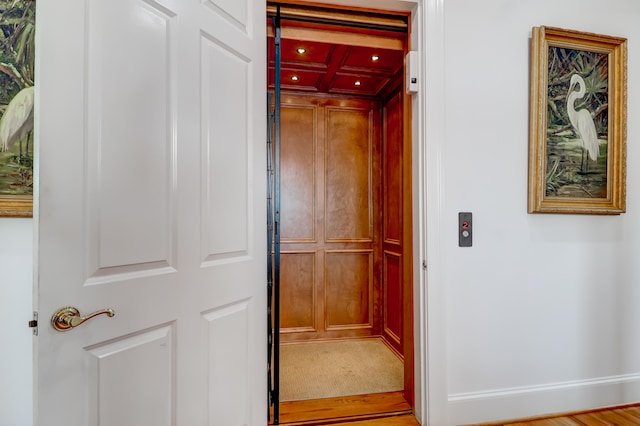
<point>16,206</point>
<point>577,135</point>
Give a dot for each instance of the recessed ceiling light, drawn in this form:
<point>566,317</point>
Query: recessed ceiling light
<point>295,78</point>
<point>357,83</point>
<point>301,50</point>
<point>375,58</point>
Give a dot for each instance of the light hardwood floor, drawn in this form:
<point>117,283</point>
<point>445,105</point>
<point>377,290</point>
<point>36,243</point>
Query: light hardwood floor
<point>626,415</point>
<point>380,409</point>
<point>390,409</point>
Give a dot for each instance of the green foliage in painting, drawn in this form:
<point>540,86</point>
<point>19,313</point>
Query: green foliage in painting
<point>593,68</point>
<point>17,59</point>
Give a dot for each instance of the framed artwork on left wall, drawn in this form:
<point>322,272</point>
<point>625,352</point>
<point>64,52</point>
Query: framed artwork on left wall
<point>17,61</point>
<point>578,113</point>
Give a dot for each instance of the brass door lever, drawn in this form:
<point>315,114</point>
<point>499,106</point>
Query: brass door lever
<point>69,317</point>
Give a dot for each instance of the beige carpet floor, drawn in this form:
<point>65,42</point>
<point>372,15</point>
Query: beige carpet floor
<point>313,370</point>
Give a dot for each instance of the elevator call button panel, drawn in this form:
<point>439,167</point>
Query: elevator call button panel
<point>464,229</point>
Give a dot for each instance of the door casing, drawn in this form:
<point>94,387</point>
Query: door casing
<point>421,11</point>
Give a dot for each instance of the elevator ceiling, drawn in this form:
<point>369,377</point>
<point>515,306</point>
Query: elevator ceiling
<point>318,55</point>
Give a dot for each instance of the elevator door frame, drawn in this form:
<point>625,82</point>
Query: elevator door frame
<point>411,279</point>
<point>426,31</point>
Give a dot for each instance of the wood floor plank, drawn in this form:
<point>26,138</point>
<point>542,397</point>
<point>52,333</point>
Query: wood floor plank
<point>631,414</point>
<point>390,409</point>
<point>626,415</point>
<point>404,420</point>
<point>335,410</point>
<point>604,418</point>
<point>562,421</point>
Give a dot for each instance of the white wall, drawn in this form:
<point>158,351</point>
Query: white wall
<point>542,314</point>
<point>16,254</point>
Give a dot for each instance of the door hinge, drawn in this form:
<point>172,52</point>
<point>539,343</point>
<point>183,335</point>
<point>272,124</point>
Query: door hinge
<point>34,323</point>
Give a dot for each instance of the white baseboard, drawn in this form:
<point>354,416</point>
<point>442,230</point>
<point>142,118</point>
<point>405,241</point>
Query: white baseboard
<point>528,401</point>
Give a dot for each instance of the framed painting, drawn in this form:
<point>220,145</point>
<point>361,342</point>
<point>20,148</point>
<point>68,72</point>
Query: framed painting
<point>577,135</point>
<point>17,59</point>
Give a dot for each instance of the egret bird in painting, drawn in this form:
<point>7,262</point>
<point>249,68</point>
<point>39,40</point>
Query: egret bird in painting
<point>17,120</point>
<point>582,123</point>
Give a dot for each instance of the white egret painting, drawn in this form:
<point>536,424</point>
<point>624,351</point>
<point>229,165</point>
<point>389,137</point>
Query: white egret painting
<point>577,122</point>
<point>17,59</point>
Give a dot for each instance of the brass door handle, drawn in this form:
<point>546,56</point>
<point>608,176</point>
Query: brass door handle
<point>69,317</point>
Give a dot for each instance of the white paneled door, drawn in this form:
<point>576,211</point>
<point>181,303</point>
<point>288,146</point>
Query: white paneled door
<point>150,127</point>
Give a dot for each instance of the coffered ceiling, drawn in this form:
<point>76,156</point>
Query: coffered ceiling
<point>318,67</point>
<point>321,57</point>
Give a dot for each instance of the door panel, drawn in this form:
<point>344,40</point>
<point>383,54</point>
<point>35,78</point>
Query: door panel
<point>234,11</point>
<point>228,364</point>
<point>130,162</point>
<point>151,201</point>
<point>224,118</point>
<point>109,369</point>
<point>330,258</point>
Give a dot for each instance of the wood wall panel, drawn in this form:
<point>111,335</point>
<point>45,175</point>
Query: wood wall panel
<point>297,292</point>
<point>349,289</point>
<point>393,226</point>
<point>349,163</point>
<point>392,300</point>
<point>330,149</point>
<point>397,231</point>
<point>297,172</point>
<point>392,171</point>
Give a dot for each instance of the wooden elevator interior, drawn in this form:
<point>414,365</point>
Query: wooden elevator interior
<point>345,178</point>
